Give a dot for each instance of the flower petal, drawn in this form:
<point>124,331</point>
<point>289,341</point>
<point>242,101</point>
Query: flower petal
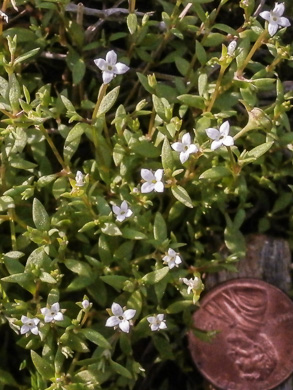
<point>45,311</point>
<point>184,157</point>
<point>111,57</point>
<point>107,77</point>
<point>55,307</point>
<point>58,316</point>
<point>216,144</point>
<point>171,252</point>
<point>121,68</point>
<point>147,174</point>
<point>24,319</point>
<point>129,213</point>
<point>284,22</point>
<point>101,63</point>
<point>163,325</point>
<point>213,133</point>
<point>116,210</point>
<point>24,329</point>
<point>192,149</point>
<point>186,139</point>
<point>273,29</point>
<point>116,309</point>
<point>228,141</point>
<point>154,327</point>
<point>151,319</point>
<point>48,318</point>
<point>160,317</point>
<point>124,326</point>
<point>35,330</point>
<point>159,174</point>
<point>279,9</point>
<point>224,129</point>
<point>159,187</point>
<point>128,314</point>
<point>112,321</point>
<point>177,146</point>
<point>266,15</point>
<point>147,187</point>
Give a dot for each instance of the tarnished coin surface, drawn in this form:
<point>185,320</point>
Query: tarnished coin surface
<point>253,348</point>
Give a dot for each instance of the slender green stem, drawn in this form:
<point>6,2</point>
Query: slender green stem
<point>54,149</point>
<point>254,48</point>
<point>10,213</point>
<point>245,129</point>
<point>217,89</point>
<point>101,94</point>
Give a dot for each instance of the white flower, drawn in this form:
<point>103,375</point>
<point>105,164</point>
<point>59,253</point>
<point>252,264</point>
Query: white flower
<point>157,322</point>
<point>172,258</point>
<point>275,18</point>
<point>110,67</point>
<point>85,303</point>
<point>231,48</point>
<point>193,284</point>
<point>120,318</point>
<point>221,136</point>
<point>53,313</point>
<point>4,16</point>
<point>122,212</point>
<point>79,178</point>
<point>185,148</point>
<point>153,180</point>
<point>29,325</point>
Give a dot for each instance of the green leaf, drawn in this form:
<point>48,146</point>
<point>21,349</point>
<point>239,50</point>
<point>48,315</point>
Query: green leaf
<point>73,140</point>
<point>40,216</point>
<point>116,281</point>
<point>14,92</point>
<point>7,379</point>
<point>3,87</point>
<point>159,107</point>
<point>96,338</point>
<point>215,173</point>
<point>179,306</point>
<point>25,280</point>
<point>200,53</point>
<point>155,276</point>
<point>160,228</point>
<point>120,369</point>
<point>132,234</point>
<point>6,202</point>
<point>182,65</point>
<point>26,55</point>
<point>181,194</point>
<point>43,366</point>
<point>167,156</point>
<point>192,101</point>
<point>132,23</point>
<point>259,150</point>
<point>111,229</point>
<point>108,101</point>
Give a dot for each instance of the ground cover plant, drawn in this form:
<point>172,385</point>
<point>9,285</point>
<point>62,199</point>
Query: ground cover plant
<point>140,143</point>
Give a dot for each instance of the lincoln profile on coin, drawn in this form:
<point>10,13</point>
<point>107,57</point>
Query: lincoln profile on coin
<point>249,349</point>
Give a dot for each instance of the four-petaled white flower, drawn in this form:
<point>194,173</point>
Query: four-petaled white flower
<point>53,313</point>
<point>110,67</point>
<point>231,48</point>
<point>275,18</point>
<point>122,212</point>
<point>193,284</point>
<point>120,318</point>
<point>79,178</point>
<point>4,16</point>
<point>221,136</point>
<point>153,180</point>
<point>172,259</point>
<point>29,325</point>
<point>185,148</point>
<point>157,322</point>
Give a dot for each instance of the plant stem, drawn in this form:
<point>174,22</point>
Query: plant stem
<point>254,48</point>
<point>217,89</point>
<point>54,149</point>
<point>101,94</point>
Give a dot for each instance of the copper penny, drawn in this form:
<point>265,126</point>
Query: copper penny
<point>253,349</point>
